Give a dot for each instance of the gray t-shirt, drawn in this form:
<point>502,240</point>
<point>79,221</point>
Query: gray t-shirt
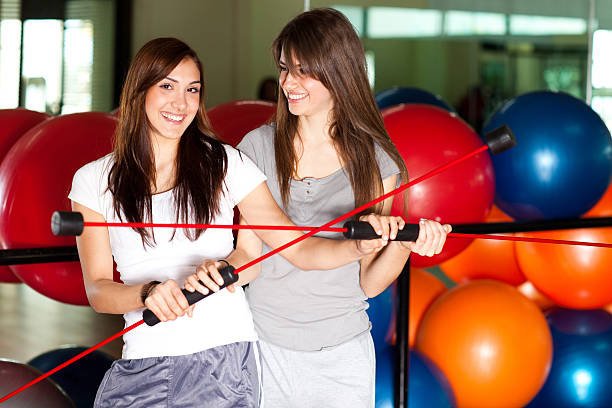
<point>308,310</point>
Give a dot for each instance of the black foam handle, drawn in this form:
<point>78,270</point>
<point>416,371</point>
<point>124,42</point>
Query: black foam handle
<point>228,276</point>
<point>363,230</point>
<point>67,223</point>
<point>500,139</point>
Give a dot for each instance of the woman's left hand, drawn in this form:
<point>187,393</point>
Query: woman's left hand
<point>430,241</point>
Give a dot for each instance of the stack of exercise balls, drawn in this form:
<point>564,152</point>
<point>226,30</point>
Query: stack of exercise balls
<point>497,336</point>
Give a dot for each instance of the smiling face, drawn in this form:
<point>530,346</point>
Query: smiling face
<point>306,96</point>
<point>173,102</point>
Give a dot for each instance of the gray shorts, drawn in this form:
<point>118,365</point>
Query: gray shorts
<point>224,376</point>
<point>337,377</point>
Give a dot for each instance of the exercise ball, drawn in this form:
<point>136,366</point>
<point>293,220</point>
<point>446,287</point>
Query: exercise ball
<point>582,362</point>
<point>44,394</point>
<point>562,162</point>
<point>427,138</point>
<point>385,374</point>
<point>572,276</point>
<point>407,95</point>
<point>427,385</point>
<point>424,289</point>
<point>35,179</point>
<point>13,124</point>
<point>486,258</point>
<point>80,379</point>
<point>381,312</point>
<point>232,120</point>
<point>603,208</point>
<point>492,343</point>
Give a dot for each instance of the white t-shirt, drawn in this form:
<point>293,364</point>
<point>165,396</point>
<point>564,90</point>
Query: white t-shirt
<point>222,318</point>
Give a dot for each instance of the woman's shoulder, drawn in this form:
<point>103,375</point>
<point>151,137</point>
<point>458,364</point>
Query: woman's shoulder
<point>98,166</point>
<point>262,136</point>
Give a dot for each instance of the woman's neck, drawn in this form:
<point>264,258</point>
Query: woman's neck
<point>314,128</point>
<point>164,153</point>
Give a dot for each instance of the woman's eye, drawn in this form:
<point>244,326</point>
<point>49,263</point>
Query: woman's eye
<point>193,90</point>
<point>166,86</point>
<point>282,69</point>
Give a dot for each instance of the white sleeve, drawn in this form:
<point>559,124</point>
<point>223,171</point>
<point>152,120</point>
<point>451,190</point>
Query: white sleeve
<point>242,175</point>
<point>86,188</point>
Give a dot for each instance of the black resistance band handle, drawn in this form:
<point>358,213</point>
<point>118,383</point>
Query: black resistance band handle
<point>363,230</point>
<point>228,276</point>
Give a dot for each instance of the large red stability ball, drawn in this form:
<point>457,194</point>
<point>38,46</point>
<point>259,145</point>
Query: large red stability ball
<point>493,344</point>
<point>428,137</point>
<point>44,394</point>
<point>13,124</point>
<point>35,179</point>
<point>232,120</point>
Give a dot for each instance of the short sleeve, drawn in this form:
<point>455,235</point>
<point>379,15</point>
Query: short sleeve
<point>387,166</point>
<point>242,175</point>
<point>86,187</point>
<point>256,140</point>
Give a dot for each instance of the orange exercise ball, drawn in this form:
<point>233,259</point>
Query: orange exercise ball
<point>424,289</point>
<point>493,344</point>
<point>576,277</point>
<point>13,124</point>
<point>486,258</point>
<point>35,179</point>
<point>232,120</point>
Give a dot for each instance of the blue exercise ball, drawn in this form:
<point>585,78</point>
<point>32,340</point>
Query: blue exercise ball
<point>80,379</point>
<point>381,312</point>
<point>428,387</point>
<point>562,162</point>
<point>582,360</point>
<point>399,95</point>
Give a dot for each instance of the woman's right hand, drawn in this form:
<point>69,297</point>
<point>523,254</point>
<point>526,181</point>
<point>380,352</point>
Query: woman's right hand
<point>167,302</point>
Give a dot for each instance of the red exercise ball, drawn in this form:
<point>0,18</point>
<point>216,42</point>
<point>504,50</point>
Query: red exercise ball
<point>428,137</point>
<point>232,120</point>
<point>44,394</point>
<point>493,344</point>
<point>13,124</point>
<point>35,179</point>
<point>486,258</point>
<point>424,289</point>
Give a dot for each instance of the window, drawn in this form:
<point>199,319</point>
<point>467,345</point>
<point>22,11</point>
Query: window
<point>395,22</point>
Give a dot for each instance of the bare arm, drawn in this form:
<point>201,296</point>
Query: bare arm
<point>107,296</point>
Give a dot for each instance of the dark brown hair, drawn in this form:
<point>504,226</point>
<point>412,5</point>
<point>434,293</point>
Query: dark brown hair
<point>201,161</point>
<point>328,49</point>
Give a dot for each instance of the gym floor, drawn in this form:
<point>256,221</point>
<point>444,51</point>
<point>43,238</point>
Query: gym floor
<point>31,324</point>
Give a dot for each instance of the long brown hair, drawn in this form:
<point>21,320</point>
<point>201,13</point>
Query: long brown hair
<point>328,49</point>
<point>201,161</point>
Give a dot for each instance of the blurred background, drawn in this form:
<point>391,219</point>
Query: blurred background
<point>64,56</point>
